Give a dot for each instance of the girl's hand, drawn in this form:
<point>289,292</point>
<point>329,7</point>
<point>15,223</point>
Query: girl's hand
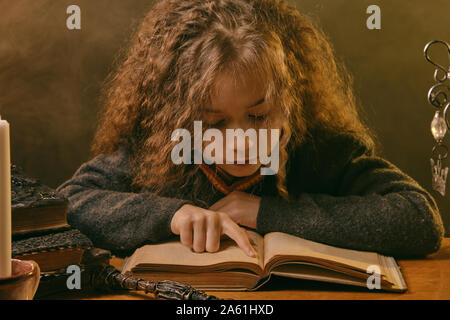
<point>239,206</point>
<point>201,229</point>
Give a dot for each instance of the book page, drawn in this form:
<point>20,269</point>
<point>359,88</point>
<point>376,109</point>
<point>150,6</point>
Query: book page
<point>174,253</point>
<point>282,244</point>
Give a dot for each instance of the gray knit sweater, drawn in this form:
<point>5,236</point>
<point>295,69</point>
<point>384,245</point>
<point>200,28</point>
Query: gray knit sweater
<point>345,196</point>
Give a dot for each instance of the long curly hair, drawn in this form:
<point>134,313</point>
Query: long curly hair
<point>171,64</point>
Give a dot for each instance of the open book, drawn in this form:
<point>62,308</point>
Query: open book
<point>278,254</point>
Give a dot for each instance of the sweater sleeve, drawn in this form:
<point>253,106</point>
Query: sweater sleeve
<point>102,207</point>
<point>370,205</point>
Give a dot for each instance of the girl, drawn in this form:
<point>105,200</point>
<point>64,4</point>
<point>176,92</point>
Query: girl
<point>241,64</point>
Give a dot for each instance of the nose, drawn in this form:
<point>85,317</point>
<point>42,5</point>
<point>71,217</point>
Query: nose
<point>240,143</point>
<point>233,144</point>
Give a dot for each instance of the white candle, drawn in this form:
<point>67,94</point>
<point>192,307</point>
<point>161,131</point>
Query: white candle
<point>5,200</point>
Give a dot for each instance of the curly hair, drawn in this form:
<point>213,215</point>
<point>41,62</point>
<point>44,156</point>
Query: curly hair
<point>178,51</point>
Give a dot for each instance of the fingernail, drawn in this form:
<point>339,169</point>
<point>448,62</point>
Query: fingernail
<point>251,253</point>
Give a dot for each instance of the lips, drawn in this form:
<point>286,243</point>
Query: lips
<point>247,162</point>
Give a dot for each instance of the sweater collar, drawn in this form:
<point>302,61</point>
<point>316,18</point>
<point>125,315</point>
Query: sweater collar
<point>225,183</point>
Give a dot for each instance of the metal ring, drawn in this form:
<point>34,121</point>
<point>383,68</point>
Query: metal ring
<point>444,78</point>
<point>433,94</point>
<point>446,115</point>
<point>443,146</point>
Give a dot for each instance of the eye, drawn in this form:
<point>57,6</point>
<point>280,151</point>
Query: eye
<point>219,123</point>
<point>257,117</point>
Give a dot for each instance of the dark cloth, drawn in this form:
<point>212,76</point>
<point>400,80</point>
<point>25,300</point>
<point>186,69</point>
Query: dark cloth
<point>344,195</point>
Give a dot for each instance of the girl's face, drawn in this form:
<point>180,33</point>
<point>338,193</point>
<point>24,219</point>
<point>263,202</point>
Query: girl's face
<point>240,106</point>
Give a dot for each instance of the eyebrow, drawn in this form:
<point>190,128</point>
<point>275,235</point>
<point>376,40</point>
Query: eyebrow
<point>260,101</point>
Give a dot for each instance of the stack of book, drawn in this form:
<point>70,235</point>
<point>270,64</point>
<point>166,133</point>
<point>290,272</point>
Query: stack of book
<point>41,233</point>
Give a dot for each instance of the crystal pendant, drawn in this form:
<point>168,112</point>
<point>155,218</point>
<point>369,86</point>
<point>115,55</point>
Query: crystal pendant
<point>438,127</point>
<point>439,176</point>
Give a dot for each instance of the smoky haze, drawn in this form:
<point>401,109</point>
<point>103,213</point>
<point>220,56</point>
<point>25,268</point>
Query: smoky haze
<point>50,77</point>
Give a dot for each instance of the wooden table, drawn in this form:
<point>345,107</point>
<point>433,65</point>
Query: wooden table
<point>426,279</point>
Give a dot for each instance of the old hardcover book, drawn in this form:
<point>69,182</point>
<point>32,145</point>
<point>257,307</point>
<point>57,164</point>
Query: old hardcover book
<point>55,282</point>
<point>52,251</point>
<point>36,208</point>
<point>278,254</point>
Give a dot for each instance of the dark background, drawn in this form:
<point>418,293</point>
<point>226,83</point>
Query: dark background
<point>50,76</point>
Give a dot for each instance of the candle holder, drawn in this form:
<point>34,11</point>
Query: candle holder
<point>23,283</point>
